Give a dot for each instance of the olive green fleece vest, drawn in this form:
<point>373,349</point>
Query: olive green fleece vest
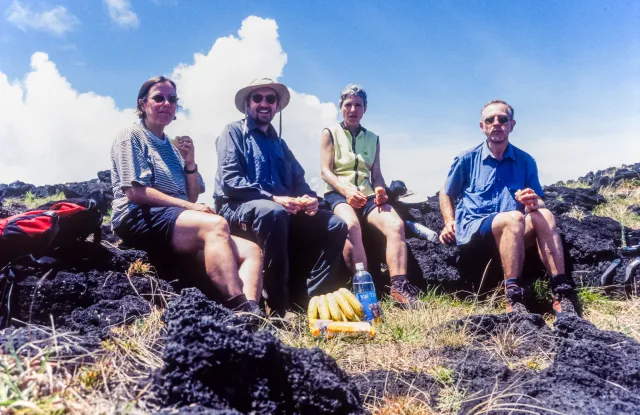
<point>353,159</point>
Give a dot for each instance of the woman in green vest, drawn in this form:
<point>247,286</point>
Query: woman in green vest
<point>350,165</point>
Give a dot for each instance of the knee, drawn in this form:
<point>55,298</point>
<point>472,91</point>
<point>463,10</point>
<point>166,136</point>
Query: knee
<point>270,211</point>
<point>394,228</point>
<point>543,217</point>
<point>353,227</point>
<point>339,228</point>
<point>215,225</point>
<point>254,252</point>
<point>514,221</point>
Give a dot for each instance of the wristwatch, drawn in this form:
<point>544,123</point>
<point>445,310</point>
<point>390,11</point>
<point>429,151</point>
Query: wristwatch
<point>190,171</point>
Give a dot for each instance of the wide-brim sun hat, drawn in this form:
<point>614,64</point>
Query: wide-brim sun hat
<point>281,91</point>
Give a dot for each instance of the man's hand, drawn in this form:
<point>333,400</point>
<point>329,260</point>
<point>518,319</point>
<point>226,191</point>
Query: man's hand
<point>529,199</point>
<point>448,234</point>
<point>381,196</point>
<point>187,150</point>
<point>199,207</point>
<point>309,204</point>
<point>291,204</point>
<point>355,198</point>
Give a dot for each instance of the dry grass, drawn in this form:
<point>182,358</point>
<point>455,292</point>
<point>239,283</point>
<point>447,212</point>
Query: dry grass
<point>618,199</point>
<point>576,213</point>
<point>607,313</point>
<point>576,184</point>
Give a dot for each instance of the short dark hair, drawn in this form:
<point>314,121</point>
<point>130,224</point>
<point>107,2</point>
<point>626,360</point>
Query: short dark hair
<point>144,91</point>
<point>499,101</point>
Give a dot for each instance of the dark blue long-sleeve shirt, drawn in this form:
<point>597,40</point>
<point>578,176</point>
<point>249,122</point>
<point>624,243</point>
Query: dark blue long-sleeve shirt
<point>256,165</point>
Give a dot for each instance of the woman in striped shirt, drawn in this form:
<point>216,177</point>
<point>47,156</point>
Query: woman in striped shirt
<point>156,185</point>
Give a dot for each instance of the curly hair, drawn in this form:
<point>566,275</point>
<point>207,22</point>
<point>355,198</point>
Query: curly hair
<point>353,90</point>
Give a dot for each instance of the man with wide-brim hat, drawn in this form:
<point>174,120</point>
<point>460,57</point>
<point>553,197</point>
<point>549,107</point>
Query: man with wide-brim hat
<point>261,191</point>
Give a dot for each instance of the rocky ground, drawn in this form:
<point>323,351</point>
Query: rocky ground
<point>223,365</point>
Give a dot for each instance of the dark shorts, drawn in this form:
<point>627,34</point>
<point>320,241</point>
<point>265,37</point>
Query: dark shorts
<point>483,241</point>
<point>149,228</point>
<point>335,198</point>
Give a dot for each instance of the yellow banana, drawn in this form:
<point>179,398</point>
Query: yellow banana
<point>323,308</point>
<point>353,301</point>
<point>312,310</point>
<point>334,309</point>
<point>344,306</point>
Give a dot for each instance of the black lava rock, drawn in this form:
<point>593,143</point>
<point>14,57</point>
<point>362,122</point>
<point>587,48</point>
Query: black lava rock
<point>211,362</point>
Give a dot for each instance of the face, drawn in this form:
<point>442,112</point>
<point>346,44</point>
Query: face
<point>160,113</point>
<point>352,110</point>
<point>491,126</point>
<point>264,110</point>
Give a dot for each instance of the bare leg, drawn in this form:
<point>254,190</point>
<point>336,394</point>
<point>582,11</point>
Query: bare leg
<point>508,231</point>
<point>353,251</point>
<point>540,228</point>
<point>195,231</point>
<point>249,258</point>
<point>389,223</point>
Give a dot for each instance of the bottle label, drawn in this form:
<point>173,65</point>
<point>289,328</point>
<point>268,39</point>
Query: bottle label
<point>372,310</point>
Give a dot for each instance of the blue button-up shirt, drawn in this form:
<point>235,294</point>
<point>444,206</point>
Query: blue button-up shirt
<point>254,165</point>
<point>483,185</point>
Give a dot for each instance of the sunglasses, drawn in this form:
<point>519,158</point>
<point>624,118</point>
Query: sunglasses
<point>502,119</point>
<point>257,98</point>
<point>160,99</point>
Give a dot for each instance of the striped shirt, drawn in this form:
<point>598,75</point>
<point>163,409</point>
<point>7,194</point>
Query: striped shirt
<point>139,157</point>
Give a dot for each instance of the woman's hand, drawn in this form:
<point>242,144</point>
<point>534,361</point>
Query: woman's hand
<point>355,198</point>
<point>200,207</point>
<point>381,196</point>
<point>187,150</point>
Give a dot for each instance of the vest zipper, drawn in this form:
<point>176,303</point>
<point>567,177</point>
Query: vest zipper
<point>353,148</point>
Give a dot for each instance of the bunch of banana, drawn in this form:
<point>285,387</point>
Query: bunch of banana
<point>341,305</point>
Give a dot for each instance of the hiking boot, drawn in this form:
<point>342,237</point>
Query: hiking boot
<point>515,296</point>
<point>403,293</point>
<point>565,298</point>
<point>250,307</point>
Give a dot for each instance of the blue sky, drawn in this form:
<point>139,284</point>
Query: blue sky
<point>571,69</point>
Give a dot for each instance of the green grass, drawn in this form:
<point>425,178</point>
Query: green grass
<point>31,201</point>
<point>618,199</point>
<point>576,184</point>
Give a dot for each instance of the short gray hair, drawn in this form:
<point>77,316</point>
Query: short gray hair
<point>353,90</point>
<point>510,110</point>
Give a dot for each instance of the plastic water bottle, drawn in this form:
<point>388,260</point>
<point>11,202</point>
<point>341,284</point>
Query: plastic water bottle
<point>422,231</point>
<point>365,290</point>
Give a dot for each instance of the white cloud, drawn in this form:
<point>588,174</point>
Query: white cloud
<point>56,21</point>
<point>51,133</point>
<point>121,13</point>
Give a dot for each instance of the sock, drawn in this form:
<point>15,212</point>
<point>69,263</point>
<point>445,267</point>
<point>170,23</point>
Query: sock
<point>235,301</point>
<point>512,281</point>
<point>397,279</point>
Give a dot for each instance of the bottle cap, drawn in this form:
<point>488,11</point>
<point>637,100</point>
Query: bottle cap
<point>359,266</point>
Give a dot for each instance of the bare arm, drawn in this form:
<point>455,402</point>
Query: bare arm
<point>376,173</point>
<point>448,234</point>
<point>326,162</point>
<point>354,197</point>
<point>148,196</point>
<point>193,184</point>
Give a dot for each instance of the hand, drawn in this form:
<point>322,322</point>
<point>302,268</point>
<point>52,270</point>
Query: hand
<point>381,196</point>
<point>529,199</point>
<point>448,234</point>
<point>200,207</point>
<point>355,198</point>
<point>309,204</point>
<point>187,150</point>
<point>291,204</point>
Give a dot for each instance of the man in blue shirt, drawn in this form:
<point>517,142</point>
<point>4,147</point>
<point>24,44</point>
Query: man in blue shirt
<point>500,210</point>
<point>261,191</point>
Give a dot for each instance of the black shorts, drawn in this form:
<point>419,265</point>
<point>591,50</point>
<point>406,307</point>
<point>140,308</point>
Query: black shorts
<point>149,228</point>
<point>335,198</point>
<point>483,241</point>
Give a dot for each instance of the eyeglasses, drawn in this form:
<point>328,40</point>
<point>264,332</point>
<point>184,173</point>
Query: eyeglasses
<point>160,99</point>
<point>502,119</point>
<point>257,98</point>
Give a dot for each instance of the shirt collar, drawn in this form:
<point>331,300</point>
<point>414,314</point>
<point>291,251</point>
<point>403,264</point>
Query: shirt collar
<point>252,125</point>
<point>508,153</point>
<point>360,129</point>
